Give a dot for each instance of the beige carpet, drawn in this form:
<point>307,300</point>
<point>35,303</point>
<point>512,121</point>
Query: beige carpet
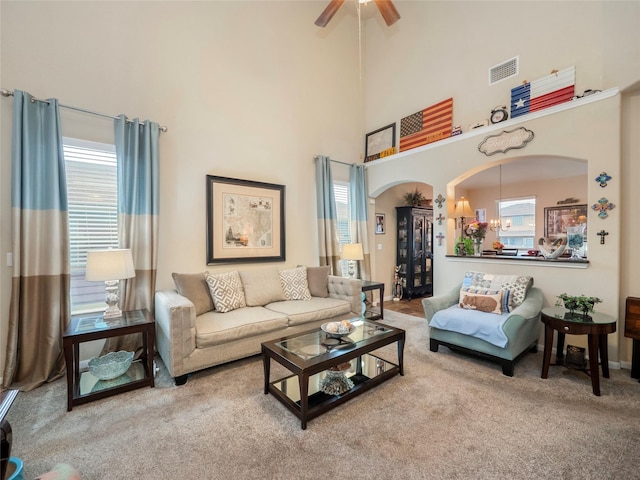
<point>449,417</point>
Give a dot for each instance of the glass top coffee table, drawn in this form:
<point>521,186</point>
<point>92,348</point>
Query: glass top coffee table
<point>328,371</point>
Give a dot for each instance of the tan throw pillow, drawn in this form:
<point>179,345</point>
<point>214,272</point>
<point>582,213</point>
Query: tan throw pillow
<point>226,291</point>
<point>294,284</point>
<point>262,286</point>
<point>491,303</point>
<point>195,288</point>
<point>318,280</point>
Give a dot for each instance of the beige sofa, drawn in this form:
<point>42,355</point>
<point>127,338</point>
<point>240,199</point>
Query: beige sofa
<point>192,333</point>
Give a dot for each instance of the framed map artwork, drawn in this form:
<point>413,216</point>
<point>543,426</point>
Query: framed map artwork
<point>245,221</point>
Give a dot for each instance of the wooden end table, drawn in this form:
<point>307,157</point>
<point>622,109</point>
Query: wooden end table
<point>82,387</point>
<point>596,326</point>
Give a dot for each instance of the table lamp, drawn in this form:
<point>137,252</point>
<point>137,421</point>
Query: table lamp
<point>110,266</point>
<point>352,252</point>
<point>462,211</point>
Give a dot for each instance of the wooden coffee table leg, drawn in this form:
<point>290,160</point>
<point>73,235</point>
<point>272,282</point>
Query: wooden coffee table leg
<point>303,380</point>
<point>266,365</point>
<point>401,355</point>
<point>68,358</point>
<point>593,364</point>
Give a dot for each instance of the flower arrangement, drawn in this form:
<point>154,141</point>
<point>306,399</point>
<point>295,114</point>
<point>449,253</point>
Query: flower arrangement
<point>497,245</point>
<point>476,229</point>
<point>577,302</point>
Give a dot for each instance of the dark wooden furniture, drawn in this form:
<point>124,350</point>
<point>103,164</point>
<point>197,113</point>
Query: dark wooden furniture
<point>310,354</point>
<point>632,330</point>
<point>82,387</point>
<point>6,400</point>
<point>596,326</point>
<point>414,253</point>
<point>368,285</point>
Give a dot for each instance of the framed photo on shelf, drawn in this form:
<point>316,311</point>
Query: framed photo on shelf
<point>380,143</point>
<point>245,221</point>
<point>380,224</point>
<point>557,219</point>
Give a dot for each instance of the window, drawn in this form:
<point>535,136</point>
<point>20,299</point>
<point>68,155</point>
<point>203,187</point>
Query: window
<point>520,213</point>
<point>341,193</point>
<point>93,214</point>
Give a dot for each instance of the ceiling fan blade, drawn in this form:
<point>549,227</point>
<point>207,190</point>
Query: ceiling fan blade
<point>388,11</point>
<point>328,12</point>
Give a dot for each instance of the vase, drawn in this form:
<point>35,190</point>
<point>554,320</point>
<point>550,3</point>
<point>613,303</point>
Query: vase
<point>575,240</point>
<point>477,247</point>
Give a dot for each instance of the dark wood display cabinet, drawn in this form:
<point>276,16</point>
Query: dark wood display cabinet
<point>415,250</point>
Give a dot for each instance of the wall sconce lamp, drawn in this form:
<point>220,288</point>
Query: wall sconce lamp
<point>463,210</point>
<point>352,252</point>
<point>110,266</point>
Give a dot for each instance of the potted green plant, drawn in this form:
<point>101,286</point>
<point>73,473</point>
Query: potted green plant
<point>415,198</point>
<point>464,246</point>
<point>582,303</point>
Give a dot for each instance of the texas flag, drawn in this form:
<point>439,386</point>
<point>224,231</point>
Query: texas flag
<point>559,87</point>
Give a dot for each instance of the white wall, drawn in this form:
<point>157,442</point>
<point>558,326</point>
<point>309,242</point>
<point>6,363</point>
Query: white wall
<point>248,90</point>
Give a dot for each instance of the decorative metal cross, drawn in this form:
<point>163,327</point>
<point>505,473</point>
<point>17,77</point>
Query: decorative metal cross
<point>602,206</point>
<point>602,234</point>
<point>603,178</point>
<point>439,236</point>
<point>440,218</point>
<point>440,200</point>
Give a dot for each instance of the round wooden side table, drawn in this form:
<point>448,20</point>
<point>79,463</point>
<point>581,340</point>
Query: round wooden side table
<point>596,326</point>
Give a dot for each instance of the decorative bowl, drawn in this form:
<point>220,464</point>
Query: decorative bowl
<point>333,334</point>
<point>111,365</point>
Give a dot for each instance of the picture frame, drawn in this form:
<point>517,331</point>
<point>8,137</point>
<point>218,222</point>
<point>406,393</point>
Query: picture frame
<point>481,214</point>
<point>245,221</point>
<point>557,219</point>
<point>381,226</point>
<point>380,143</point>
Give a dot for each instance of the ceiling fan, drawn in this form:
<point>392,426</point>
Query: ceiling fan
<point>388,11</point>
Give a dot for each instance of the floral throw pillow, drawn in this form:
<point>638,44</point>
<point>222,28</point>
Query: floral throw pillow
<point>227,291</point>
<point>518,285</point>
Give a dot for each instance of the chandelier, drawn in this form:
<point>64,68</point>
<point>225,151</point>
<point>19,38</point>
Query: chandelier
<point>497,224</point>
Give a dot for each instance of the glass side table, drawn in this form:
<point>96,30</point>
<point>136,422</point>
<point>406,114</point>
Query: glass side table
<point>82,386</point>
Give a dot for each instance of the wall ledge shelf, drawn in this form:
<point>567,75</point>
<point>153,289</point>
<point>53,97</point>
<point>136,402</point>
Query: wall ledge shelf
<point>506,125</point>
<point>526,261</point>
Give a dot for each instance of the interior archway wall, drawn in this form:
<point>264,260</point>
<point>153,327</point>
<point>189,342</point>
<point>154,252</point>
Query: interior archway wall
<point>384,246</point>
<point>590,131</point>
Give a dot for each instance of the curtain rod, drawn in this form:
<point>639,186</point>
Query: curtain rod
<point>8,93</point>
<point>336,161</point>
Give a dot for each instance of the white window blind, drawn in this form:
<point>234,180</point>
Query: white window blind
<point>341,194</point>
<point>93,213</point>
<point>520,213</point>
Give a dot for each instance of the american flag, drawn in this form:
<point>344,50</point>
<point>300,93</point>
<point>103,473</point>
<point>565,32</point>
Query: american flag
<point>426,126</point>
<point>558,87</point>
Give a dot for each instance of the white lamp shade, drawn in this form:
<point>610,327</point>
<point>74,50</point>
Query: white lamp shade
<point>463,209</point>
<point>108,265</point>
<point>352,251</point>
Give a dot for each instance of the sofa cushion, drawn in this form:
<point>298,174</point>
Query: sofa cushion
<point>518,285</point>
<point>483,302</point>
<point>262,286</point>
<point>226,291</point>
<point>294,284</point>
<point>314,309</point>
<point>318,280</point>
<point>215,328</point>
<point>482,325</point>
<point>194,287</point>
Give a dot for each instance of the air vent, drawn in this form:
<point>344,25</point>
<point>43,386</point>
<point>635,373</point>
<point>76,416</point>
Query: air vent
<point>503,71</point>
